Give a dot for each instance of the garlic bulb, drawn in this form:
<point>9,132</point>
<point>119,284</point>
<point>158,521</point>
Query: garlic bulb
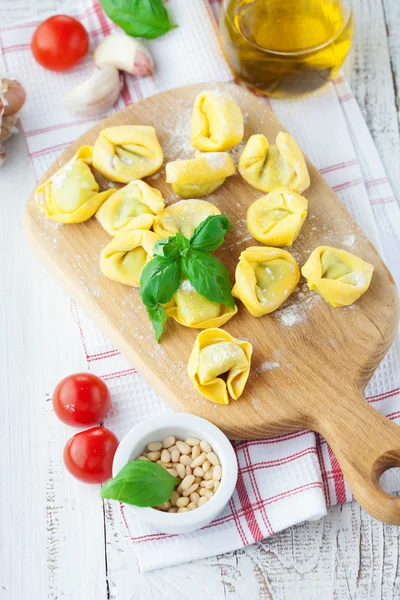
<point>124,53</point>
<point>96,94</point>
<point>12,98</point>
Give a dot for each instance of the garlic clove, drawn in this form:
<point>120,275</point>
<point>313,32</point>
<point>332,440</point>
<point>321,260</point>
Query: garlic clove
<point>125,54</point>
<point>12,96</point>
<point>96,94</point>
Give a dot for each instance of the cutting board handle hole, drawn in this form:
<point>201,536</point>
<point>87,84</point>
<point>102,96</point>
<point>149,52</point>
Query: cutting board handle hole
<point>387,479</point>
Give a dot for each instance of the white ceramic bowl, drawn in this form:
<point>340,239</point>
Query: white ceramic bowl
<point>181,426</point>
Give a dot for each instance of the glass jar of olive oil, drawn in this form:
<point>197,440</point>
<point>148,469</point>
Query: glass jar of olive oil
<point>286,47</point>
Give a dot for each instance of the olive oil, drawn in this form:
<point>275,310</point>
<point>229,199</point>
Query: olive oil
<point>286,47</point>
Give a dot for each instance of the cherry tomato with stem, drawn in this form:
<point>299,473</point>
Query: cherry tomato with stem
<point>81,399</point>
<point>59,43</point>
<point>89,455</point>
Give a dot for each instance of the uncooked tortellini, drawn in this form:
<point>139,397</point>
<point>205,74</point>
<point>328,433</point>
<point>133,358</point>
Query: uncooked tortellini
<point>183,217</point>
<point>266,167</point>
<point>339,276</point>
<point>201,175</point>
<point>217,122</point>
<point>264,278</point>
<point>219,365</point>
<point>124,258</point>
<point>276,219</point>
<point>127,152</point>
<point>72,194</point>
<point>191,309</point>
<point>134,206</point>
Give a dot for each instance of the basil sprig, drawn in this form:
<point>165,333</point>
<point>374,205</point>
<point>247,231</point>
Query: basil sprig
<point>139,18</point>
<point>176,255</point>
<point>140,483</point>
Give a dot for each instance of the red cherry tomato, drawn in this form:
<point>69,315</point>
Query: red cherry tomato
<point>89,455</point>
<point>81,399</point>
<point>59,43</point>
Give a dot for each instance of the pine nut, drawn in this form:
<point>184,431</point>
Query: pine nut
<point>153,456</point>
<point>192,505</point>
<point>213,458</point>
<point>181,470</point>
<point>175,454</point>
<point>179,489</point>
<point>193,441</point>
<point>166,465</point>
<point>205,446</point>
<point>216,486</point>
<point>208,475</point>
<point>217,472</point>
<point>183,447</point>
<point>197,462</point>
<point>190,490</point>
<point>202,501</point>
<point>198,472</point>
<point>165,506</point>
<point>196,451</point>
<point>168,441</point>
<point>165,456</point>
<point>173,472</point>
<point>182,502</point>
<point>154,446</point>
<point>206,465</point>
<point>205,492</point>
<point>187,482</point>
<point>188,471</point>
<point>194,497</point>
<point>173,509</point>
<point>182,509</point>
<point>203,483</point>
<point>174,497</point>
<point>185,460</point>
<point>143,458</point>
<point>209,484</point>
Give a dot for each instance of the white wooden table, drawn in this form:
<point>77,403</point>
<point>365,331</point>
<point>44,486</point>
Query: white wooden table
<point>53,539</point>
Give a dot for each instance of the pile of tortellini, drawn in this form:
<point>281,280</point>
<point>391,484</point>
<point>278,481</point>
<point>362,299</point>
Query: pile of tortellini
<point>136,217</point>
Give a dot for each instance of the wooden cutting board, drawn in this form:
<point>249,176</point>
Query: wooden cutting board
<point>311,362</point>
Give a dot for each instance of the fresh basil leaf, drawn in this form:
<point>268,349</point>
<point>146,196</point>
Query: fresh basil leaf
<point>208,276</point>
<point>159,281</point>
<point>157,316</point>
<point>140,483</point>
<point>168,248</point>
<point>210,234</point>
<point>182,243</point>
<point>139,18</point>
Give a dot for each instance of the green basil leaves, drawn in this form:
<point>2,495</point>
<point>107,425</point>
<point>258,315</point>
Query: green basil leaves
<point>139,18</point>
<point>140,483</point>
<point>176,255</point>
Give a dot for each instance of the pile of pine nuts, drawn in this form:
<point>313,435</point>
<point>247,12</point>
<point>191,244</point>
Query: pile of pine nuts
<point>194,462</point>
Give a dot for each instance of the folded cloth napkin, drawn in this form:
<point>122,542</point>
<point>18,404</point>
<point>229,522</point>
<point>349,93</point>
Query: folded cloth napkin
<point>282,480</point>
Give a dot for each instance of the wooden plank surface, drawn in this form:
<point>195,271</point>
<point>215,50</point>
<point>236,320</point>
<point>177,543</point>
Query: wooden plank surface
<point>347,555</point>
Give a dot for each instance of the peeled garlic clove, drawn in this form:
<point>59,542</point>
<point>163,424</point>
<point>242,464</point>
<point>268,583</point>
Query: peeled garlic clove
<point>12,96</point>
<point>125,54</point>
<point>95,95</point>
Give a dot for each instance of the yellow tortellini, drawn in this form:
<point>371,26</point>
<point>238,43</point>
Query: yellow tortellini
<point>191,309</point>
<point>127,152</point>
<point>266,167</point>
<point>276,219</point>
<point>216,353</point>
<point>134,206</point>
<point>183,217</point>
<point>217,122</point>
<point>265,277</point>
<point>339,276</point>
<point>201,175</point>
<point>124,258</point>
<point>72,194</point>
